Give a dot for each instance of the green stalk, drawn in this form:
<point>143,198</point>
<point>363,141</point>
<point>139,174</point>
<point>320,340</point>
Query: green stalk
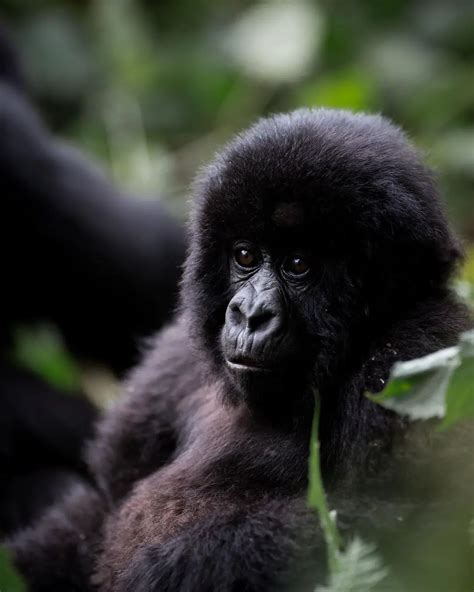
<point>317,496</point>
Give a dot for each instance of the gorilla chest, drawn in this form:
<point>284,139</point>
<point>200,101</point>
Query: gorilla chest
<point>205,480</point>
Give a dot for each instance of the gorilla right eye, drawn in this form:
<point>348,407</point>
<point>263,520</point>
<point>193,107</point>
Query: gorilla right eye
<point>245,256</point>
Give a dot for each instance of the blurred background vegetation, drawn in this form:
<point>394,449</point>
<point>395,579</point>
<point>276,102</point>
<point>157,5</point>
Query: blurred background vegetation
<point>151,89</point>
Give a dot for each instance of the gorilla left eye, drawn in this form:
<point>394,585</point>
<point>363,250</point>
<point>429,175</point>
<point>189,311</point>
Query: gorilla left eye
<point>296,265</point>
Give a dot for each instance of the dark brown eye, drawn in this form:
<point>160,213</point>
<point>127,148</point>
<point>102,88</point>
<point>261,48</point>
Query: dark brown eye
<point>296,265</point>
<point>245,256</point>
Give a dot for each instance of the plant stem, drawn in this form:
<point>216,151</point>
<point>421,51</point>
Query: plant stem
<point>317,496</point>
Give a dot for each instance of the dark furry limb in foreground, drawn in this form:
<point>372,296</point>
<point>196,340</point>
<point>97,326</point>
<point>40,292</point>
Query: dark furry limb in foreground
<point>76,252</point>
<point>320,255</point>
<point>42,434</point>
<point>101,266</point>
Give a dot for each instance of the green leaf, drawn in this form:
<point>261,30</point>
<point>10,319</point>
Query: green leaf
<point>418,388</point>
<point>468,270</point>
<point>460,393</point>
<point>438,385</point>
<point>41,350</point>
<point>359,569</point>
<point>356,567</point>
<point>348,89</point>
<point>10,580</point>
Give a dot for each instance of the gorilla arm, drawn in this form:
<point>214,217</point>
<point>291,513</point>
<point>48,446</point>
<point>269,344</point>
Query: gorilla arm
<point>42,432</point>
<point>79,244</point>
<point>134,439</point>
<point>231,548</point>
<point>58,552</point>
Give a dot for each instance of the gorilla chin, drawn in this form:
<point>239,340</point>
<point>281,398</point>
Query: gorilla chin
<point>256,378</point>
<point>257,388</point>
<point>261,384</point>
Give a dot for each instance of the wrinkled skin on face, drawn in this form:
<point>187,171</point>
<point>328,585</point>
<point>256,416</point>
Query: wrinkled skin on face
<point>278,320</point>
<point>259,338</point>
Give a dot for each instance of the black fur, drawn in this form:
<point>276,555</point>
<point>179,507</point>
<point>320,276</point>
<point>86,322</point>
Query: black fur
<point>76,252</point>
<point>205,489</point>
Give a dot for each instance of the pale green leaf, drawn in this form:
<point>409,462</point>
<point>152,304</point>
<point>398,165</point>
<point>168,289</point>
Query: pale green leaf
<point>440,385</point>
<point>460,392</point>
<point>359,569</point>
<point>417,388</point>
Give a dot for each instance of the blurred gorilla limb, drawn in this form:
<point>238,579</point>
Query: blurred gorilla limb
<point>101,266</point>
<point>76,252</point>
<point>41,437</point>
<point>75,527</point>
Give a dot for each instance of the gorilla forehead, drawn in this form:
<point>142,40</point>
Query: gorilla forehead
<point>313,168</point>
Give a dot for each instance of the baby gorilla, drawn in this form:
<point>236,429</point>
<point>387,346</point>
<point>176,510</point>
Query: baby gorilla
<point>319,256</point>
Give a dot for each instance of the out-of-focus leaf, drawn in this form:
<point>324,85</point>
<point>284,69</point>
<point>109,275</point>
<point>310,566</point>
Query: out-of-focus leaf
<point>455,150</point>
<point>360,569</point>
<point>464,290</point>
<point>56,55</point>
<point>344,90</point>
<point>276,41</point>
<point>468,271</point>
<point>42,351</point>
<point>402,63</point>
<point>438,385</point>
<point>127,50</point>
<point>10,581</point>
<point>460,393</point>
<point>417,388</point>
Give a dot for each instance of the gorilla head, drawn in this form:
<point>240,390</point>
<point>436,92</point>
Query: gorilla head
<point>311,233</point>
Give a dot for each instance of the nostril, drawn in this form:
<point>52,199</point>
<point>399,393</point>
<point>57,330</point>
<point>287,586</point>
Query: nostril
<point>261,320</point>
<point>236,313</point>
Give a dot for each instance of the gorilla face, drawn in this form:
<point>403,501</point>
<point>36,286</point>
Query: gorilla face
<point>287,313</point>
<point>260,333</point>
<point>310,233</point>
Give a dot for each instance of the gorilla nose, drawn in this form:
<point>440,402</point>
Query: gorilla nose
<point>257,318</point>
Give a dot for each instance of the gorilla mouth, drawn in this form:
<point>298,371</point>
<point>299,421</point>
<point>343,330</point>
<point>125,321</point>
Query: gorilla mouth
<point>247,364</point>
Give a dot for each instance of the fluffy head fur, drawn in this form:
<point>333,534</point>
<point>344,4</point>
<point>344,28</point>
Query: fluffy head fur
<point>352,190</point>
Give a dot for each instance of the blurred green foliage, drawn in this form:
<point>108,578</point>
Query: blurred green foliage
<point>10,581</point>
<point>152,88</point>
<point>432,547</point>
<point>41,350</point>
